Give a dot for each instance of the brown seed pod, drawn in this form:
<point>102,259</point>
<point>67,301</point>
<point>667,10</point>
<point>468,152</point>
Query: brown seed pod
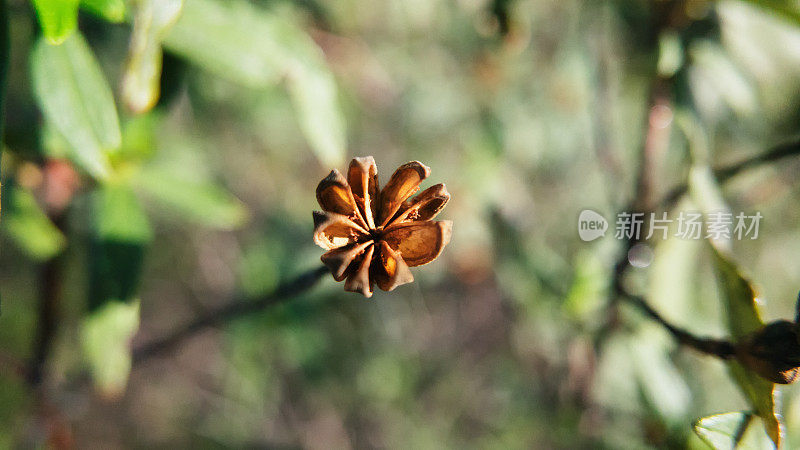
<point>373,236</point>
<point>772,352</point>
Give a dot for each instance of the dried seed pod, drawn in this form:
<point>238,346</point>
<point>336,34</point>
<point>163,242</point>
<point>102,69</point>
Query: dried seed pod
<point>373,236</point>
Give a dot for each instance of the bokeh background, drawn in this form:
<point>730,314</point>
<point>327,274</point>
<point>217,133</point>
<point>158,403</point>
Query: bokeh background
<point>530,111</point>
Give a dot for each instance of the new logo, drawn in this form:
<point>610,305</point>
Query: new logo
<point>591,225</point>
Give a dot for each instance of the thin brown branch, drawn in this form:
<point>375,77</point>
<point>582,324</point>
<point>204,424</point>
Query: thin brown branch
<point>226,313</point>
<point>723,174</point>
<point>715,347</point>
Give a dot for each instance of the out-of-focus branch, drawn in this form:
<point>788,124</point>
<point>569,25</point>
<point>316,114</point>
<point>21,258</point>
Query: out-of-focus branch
<point>48,313</point>
<point>723,174</point>
<point>226,313</point>
<point>659,119</point>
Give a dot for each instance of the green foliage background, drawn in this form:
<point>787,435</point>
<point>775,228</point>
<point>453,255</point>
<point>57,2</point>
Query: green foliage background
<point>161,157</point>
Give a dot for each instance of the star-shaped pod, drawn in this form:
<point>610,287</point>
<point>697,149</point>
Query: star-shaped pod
<point>374,235</point>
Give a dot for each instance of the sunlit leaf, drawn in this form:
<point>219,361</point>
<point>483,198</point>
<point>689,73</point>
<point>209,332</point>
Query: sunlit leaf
<point>199,201</point>
<point>614,373</point>
<point>661,383</point>
<point>120,216</point>
<point>718,81</point>
<point>734,430</point>
<point>706,191</point>
<point>138,136</point>
<point>120,235</point>
<point>110,10</point>
<point>761,395</point>
<point>233,40</point>
<point>739,302</point>
<point>788,9</point>
<point>670,54</point>
<point>707,194</point>
<point>738,296</point>
<point>313,91</point>
<point>75,97</point>
<point>673,279</point>
<point>105,339</point>
<point>53,143</point>
<point>671,288</point>
<point>255,47</point>
<point>151,21</point>
<point>58,18</point>
<point>589,285</point>
<point>28,226</point>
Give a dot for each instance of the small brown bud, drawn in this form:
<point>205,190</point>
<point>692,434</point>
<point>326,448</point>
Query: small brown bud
<point>772,352</point>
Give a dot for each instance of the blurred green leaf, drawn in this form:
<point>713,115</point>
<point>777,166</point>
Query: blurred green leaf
<point>734,430</point>
<point>788,9</point>
<point>662,385</point>
<point>139,136</point>
<point>706,191</point>
<point>54,144</point>
<point>589,285</point>
<point>313,91</point>
<point>5,56</point>
<point>105,339</point>
<point>28,226</point>
<point>383,377</point>
<point>738,296</point>
<point>195,200</point>
<point>717,81</point>
<point>140,83</point>
<point>760,393</point>
<point>120,217</point>
<point>255,47</point>
<point>58,18</point>
<point>739,301</point>
<point>258,271</point>
<point>121,233</point>
<point>670,54</point>
<point>233,40</point>
<point>74,96</point>
<point>674,275</point>
<point>110,10</point>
